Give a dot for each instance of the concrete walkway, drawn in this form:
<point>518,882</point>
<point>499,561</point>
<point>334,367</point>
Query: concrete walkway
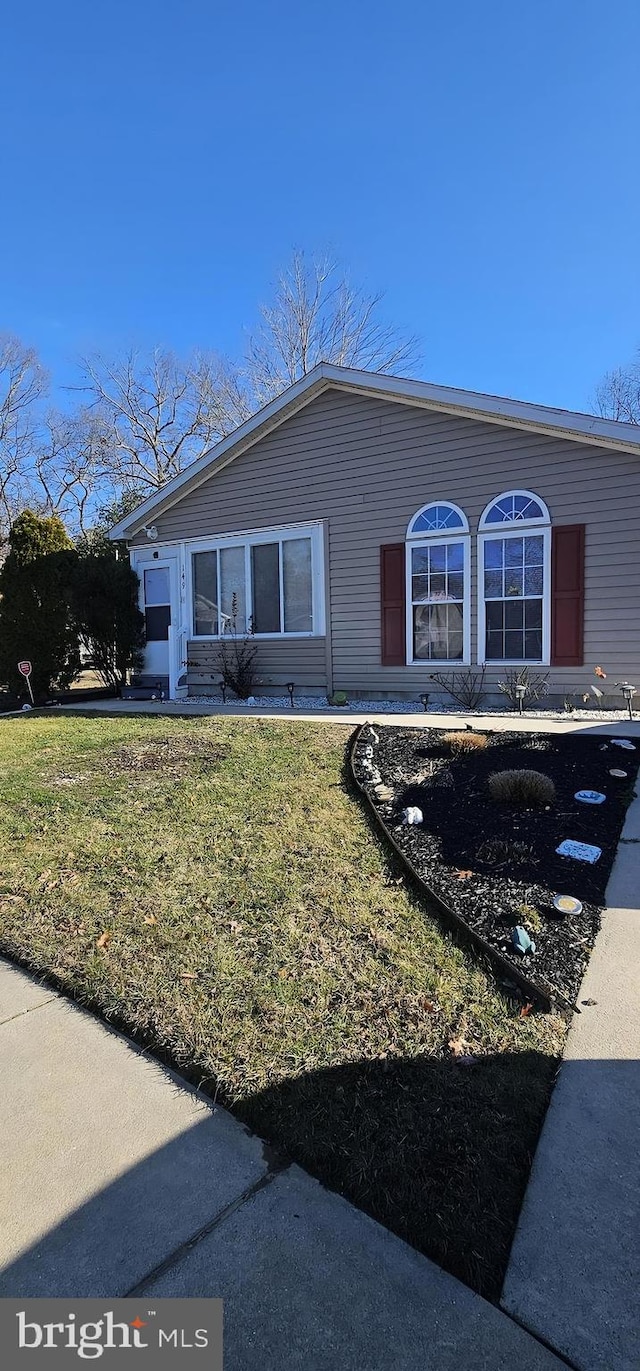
<point>117,1179</point>
<point>622,727</point>
<point>574,1272</point>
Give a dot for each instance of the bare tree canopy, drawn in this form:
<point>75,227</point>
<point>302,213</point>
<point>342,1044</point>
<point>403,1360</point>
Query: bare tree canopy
<point>159,413</point>
<point>317,315</point>
<point>23,382</point>
<point>618,395</point>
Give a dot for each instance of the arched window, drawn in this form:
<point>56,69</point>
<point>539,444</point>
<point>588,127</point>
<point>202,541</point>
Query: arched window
<point>437,518</point>
<point>514,580</point>
<point>438,585</point>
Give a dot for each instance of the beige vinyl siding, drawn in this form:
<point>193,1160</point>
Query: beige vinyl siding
<point>366,465</point>
<point>301,660</point>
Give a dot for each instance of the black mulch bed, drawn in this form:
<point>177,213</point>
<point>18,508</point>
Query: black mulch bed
<point>464,828</point>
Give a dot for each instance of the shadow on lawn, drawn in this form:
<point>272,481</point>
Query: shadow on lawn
<point>438,1152</point>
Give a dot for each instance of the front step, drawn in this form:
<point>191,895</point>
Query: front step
<point>146,687</point>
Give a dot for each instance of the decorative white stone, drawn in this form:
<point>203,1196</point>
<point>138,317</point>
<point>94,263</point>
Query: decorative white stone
<point>624,742</point>
<point>590,797</point>
<point>581,852</point>
<point>251,700</point>
<point>412,815</point>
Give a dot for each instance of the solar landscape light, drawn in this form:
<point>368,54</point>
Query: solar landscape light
<point>521,691</point>
<point>628,692</point>
<point>223,691</point>
<point>291,685</point>
<point>424,701</point>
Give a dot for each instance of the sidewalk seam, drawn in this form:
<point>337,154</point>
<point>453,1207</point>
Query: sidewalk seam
<point>34,1007</point>
<point>179,1252</point>
<point>537,1337</point>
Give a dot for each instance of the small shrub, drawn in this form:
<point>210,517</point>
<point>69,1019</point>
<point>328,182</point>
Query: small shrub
<point>499,851</point>
<point>530,917</point>
<point>535,687</point>
<point>236,659</point>
<point>465,741</point>
<point>465,687</point>
<point>527,789</point>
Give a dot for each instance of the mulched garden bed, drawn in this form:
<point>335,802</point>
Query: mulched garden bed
<point>494,866</point>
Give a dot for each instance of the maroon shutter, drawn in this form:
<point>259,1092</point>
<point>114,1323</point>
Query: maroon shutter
<point>392,598</point>
<point>567,595</point>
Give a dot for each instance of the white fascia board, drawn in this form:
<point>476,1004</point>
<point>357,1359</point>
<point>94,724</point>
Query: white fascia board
<point>586,428</point>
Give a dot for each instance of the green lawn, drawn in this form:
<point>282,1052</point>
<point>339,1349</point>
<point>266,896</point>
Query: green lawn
<point>214,886</point>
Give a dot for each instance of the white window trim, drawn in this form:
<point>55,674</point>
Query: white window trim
<point>248,540</point>
<point>517,529</point>
<point>542,522</point>
<point>433,540</point>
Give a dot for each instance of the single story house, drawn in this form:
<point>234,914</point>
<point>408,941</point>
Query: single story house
<point>371,531</point>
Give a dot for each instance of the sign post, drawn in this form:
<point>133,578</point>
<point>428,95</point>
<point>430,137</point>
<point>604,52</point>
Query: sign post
<point>25,670</point>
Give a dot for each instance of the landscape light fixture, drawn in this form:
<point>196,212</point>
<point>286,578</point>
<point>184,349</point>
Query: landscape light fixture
<point>291,685</point>
<point>223,691</point>
<point>424,701</point>
<point>628,692</point>
<point>521,691</point>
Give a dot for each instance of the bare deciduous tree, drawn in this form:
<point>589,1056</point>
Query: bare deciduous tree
<point>618,395</point>
<point>161,413</point>
<point>317,315</point>
<point>72,468</point>
<point>23,382</point>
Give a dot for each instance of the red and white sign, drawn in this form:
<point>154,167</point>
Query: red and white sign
<point>24,668</point>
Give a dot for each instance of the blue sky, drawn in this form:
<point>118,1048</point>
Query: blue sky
<point>475,159</point>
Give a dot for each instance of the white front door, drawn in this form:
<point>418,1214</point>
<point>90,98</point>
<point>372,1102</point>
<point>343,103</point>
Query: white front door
<point>161,602</point>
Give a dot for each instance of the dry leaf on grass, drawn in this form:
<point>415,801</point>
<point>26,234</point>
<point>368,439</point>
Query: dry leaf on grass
<point>188,975</point>
<point>104,939</point>
<point>150,919</point>
<point>526,1010</point>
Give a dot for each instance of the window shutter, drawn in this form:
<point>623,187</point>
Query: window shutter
<point>392,599</point>
<point>567,595</point>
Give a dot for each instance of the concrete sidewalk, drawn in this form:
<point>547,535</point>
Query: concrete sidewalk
<point>501,722</point>
<point>574,1272</point>
<point>116,1178</point>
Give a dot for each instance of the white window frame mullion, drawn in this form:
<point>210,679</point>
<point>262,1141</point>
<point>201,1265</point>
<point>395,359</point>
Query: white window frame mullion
<point>454,536</point>
<point>500,534</point>
<point>281,582</point>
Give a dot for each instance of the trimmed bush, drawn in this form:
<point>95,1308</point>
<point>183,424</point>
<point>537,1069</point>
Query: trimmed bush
<point>526,789</point>
<point>466,741</point>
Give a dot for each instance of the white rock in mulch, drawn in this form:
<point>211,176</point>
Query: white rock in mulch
<point>412,815</point>
<point>581,852</point>
<point>624,742</point>
<point>384,793</point>
<point>621,775</point>
<point>590,797</point>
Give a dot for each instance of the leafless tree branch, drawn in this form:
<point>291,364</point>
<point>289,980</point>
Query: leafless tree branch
<point>318,316</point>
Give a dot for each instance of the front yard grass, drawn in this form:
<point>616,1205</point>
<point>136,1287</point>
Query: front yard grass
<point>213,886</point>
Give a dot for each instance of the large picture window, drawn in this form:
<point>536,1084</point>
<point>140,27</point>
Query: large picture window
<point>514,580</point>
<point>262,585</point>
<point>438,619</point>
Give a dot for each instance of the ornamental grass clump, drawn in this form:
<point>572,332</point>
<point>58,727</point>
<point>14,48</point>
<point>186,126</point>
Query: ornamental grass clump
<point>465,741</point>
<point>526,789</point>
